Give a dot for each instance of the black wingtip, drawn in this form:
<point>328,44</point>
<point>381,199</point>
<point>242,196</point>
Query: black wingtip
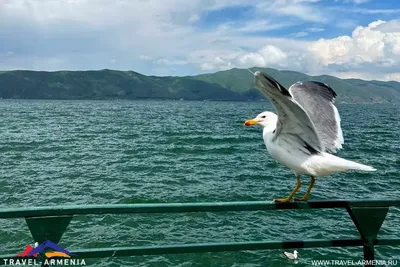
<point>281,88</point>
<point>326,86</point>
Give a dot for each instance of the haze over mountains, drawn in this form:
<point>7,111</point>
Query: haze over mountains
<point>230,85</point>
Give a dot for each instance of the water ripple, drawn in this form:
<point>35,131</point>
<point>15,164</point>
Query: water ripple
<point>93,152</point>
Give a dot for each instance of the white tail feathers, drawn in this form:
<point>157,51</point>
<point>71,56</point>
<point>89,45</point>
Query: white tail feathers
<point>357,166</point>
<point>361,167</point>
<point>335,164</point>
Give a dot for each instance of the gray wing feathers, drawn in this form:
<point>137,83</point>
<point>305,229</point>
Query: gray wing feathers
<point>293,120</point>
<point>317,100</point>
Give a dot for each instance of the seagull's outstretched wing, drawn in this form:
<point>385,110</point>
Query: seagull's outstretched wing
<point>317,100</point>
<point>293,121</point>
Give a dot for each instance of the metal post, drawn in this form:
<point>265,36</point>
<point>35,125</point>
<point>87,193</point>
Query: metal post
<point>50,222</point>
<point>369,253</point>
<point>368,221</point>
<point>48,228</point>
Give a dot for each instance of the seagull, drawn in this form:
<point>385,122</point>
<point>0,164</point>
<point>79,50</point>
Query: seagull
<point>291,256</point>
<point>305,130</point>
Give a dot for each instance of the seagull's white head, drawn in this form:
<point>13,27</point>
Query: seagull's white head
<point>295,253</point>
<point>266,119</point>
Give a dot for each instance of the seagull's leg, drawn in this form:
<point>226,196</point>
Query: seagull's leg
<point>287,199</point>
<point>307,194</point>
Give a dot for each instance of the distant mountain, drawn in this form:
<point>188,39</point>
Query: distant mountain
<point>348,90</point>
<point>230,85</point>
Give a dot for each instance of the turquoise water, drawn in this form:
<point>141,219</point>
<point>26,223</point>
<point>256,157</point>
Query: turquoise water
<point>94,152</point>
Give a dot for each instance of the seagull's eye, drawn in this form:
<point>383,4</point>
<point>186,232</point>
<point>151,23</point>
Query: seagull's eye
<point>263,117</point>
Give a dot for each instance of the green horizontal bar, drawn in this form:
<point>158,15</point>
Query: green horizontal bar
<point>188,207</point>
<point>216,247</point>
<point>206,247</point>
<point>387,242</point>
<point>210,247</point>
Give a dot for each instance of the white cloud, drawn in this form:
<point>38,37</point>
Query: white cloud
<point>357,2</point>
<point>332,50</point>
<point>306,32</point>
<point>207,66</point>
<point>194,18</point>
<point>220,62</point>
<point>390,26</point>
<point>130,29</point>
<point>252,59</point>
<point>255,25</point>
<point>373,44</point>
<point>170,62</point>
<point>315,29</point>
<point>144,57</point>
<point>374,49</point>
<point>225,65</point>
<point>268,55</point>
<point>294,8</point>
<point>368,76</point>
<point>376,11</point>
<point>301,34</point>
<point>272,54</point>
<point>395,76</point>
<point>154,37</point>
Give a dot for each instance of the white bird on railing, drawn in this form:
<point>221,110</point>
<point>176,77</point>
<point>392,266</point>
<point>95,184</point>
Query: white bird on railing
<point>305,130</point>
<point>291,256</point>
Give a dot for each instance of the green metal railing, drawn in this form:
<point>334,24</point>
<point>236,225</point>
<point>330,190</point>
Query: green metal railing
<point>50,223</point>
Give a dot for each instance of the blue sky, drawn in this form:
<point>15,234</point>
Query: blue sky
<point>344,38</point>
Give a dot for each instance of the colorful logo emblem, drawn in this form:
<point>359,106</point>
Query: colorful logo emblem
<point>50,250</point>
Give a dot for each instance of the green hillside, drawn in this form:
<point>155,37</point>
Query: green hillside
<point>232,85</point>
<point>348,90</point>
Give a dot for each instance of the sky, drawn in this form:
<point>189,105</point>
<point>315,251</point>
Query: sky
<point>343,38</point>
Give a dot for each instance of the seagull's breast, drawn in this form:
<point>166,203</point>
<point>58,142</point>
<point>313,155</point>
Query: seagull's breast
<point>286,152</point>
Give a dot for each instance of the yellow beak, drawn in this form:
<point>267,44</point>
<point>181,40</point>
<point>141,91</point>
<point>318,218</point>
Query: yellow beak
<point>250,122</point>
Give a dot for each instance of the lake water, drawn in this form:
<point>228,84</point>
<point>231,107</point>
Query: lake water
<point>95,152</point>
